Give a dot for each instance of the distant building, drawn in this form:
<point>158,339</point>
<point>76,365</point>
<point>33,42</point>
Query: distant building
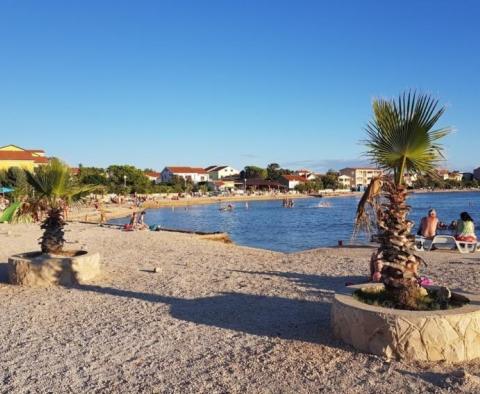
<point>14,156</point>
<point>443,173</point>
<point>306,174</point>
<point>193,174</point>
<point>450,175</point>
<point>260,184</point>
<point>220,172</point>
<point>455,176</point>
<point>410,179</point>
<point>344,181</point>
<point>467,176</point>
<point>476,173</point>
<point>153,176</point>
<point>223,185</point>
<point>360,177</point>
<point>291,181</point>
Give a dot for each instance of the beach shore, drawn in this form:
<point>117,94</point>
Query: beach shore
<point>113,211</point>
<point>215,318</point>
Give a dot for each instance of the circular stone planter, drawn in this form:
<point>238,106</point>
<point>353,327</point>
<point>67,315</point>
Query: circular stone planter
<point>37,269</point>
<point>450,335</point>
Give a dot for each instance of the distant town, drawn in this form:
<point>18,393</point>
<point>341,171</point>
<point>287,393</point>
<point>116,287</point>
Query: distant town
<point>225,178</point>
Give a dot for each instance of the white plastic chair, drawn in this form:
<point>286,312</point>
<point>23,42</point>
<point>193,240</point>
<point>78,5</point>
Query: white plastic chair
<point>443,242</point>
<point>420,243</point>
<point>466,247</point>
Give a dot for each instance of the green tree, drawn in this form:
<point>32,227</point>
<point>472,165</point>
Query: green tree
<point>54,190</point>
<point>253,172</point>
<point>273,171</point>
<point>92,176</point>
<point>134,178</point>
<point>400,139</point>
<point>330,180</point>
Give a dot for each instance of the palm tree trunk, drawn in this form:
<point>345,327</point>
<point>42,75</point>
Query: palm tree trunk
<point>394,260</point>
<point>52,240</point>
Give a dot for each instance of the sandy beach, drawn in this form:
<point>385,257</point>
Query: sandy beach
<point>216,318</point>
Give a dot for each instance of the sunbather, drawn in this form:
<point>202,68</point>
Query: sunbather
<point>429,225</point>
<point>465,228</point>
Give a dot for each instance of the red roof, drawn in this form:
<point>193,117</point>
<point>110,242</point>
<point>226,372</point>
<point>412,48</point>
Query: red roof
<point>40,159</point>
<point>187,170</point>
<point>21,155</point>
<point>294,178</point>
<point>153,174</point>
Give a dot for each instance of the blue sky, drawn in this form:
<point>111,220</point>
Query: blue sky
<point>155,83</point>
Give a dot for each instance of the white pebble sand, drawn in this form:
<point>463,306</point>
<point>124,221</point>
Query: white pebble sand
<point>214,318</point>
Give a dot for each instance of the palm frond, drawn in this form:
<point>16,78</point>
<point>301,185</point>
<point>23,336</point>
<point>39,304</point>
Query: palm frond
<point>368,206</point>
<point>400,138</point>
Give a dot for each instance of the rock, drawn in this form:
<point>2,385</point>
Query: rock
<point>156,270</point>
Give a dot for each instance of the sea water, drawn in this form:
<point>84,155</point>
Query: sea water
<point>311,223</point>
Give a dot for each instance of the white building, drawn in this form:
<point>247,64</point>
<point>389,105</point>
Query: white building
<point>291,181</point>
<point>360,177</point>
<point>452,176</point>
<point>154,176</point>
<point>193,174</point>
<point>344,181</point>
<point>220,172</point>
<point>306,174</point>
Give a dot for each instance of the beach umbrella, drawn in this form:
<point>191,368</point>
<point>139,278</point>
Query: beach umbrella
<point>6,190</point>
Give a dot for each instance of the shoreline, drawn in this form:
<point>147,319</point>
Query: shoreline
<point>114,211</point>
<point>422,191</point>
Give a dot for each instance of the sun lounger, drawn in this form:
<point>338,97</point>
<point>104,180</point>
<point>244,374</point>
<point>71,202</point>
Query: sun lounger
<point>445,242</point>
<point>420,243</point>
<point>467,247</point>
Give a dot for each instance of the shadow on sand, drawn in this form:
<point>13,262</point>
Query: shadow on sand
<point>316,284</point>
<point>270,316</point>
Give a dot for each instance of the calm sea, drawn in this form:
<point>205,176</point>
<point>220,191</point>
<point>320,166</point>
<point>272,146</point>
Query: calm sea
<point>312,223</point>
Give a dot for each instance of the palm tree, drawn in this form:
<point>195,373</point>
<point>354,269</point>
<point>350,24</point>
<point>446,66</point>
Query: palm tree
<point>401,140</point>
<point>54,189</point>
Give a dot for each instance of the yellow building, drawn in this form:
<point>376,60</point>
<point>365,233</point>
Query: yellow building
<point>14,156</point>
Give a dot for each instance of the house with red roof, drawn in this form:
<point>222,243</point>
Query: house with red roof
<point>153,176</point>
<point>219,172</point>
<point>193,174</point>
<point>292,181</point>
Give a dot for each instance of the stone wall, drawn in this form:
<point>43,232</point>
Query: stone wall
<point>36,269</point>
<point>451,335</point>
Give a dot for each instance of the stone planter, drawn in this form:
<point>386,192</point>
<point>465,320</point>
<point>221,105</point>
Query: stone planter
<point>451,335</point>
<point>37,269</point>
